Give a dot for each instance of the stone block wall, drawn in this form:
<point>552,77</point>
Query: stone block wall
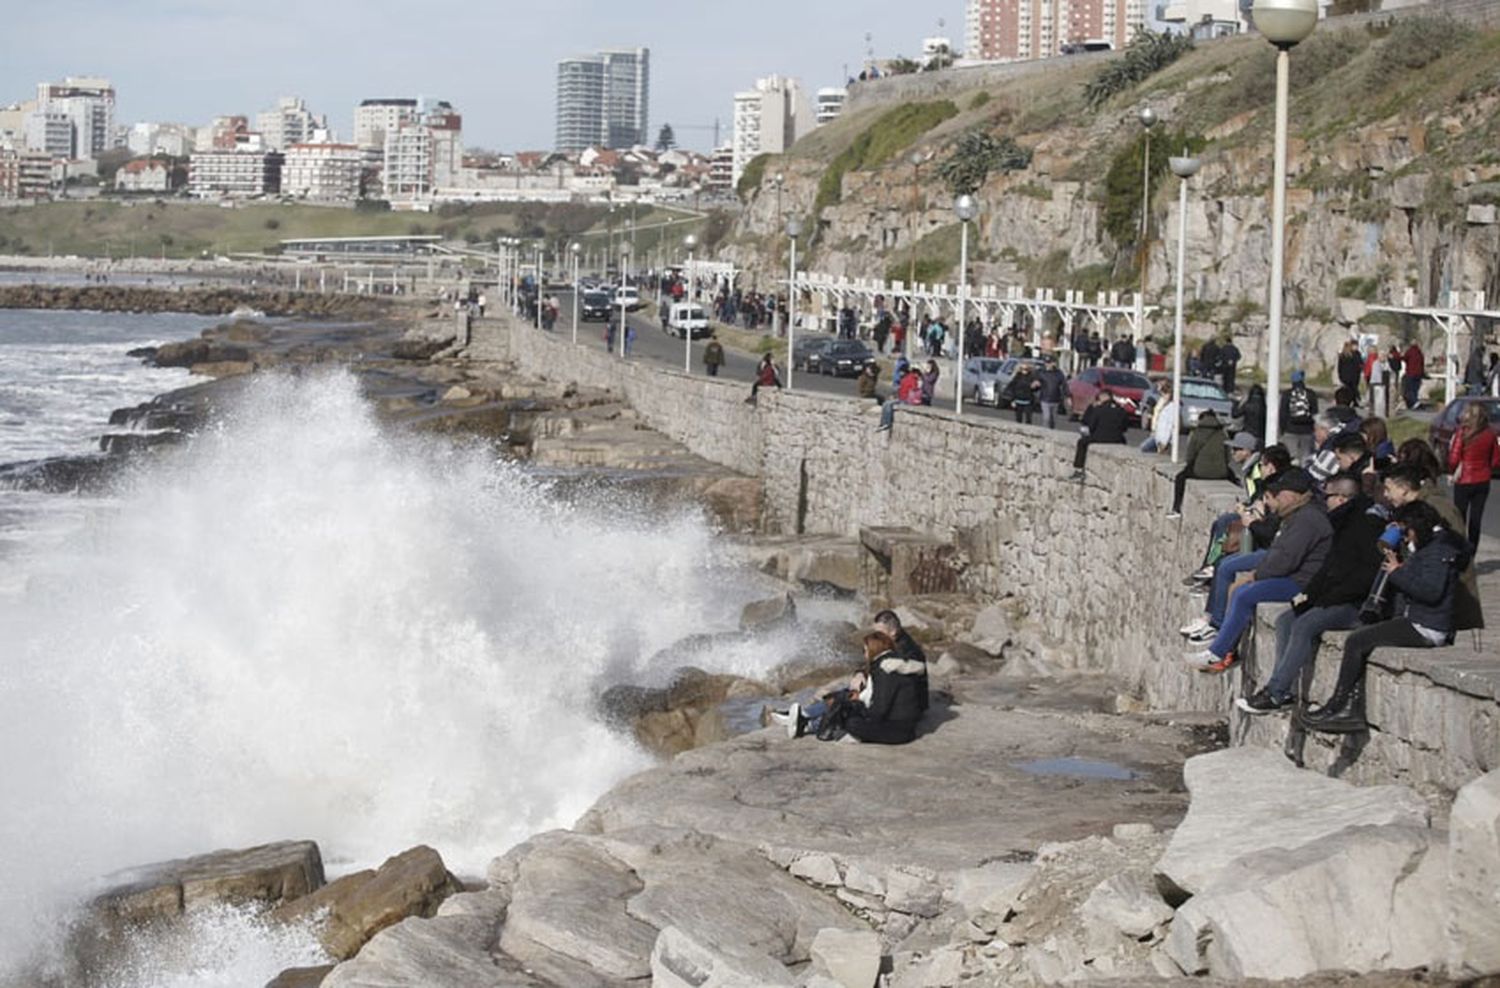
<point>1097,567</point>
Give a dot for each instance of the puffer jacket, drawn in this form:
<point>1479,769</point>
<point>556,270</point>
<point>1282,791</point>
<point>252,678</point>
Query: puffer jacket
<point>1428,582</point>
<point>895,696</point>
<point>1207,455</point>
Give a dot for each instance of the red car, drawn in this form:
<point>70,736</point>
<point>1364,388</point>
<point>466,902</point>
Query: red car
<point>1129,388</point>
<point>1440,433</point>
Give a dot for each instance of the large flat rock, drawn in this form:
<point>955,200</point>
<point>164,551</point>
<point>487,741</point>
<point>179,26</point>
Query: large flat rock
<point>1473,900</point>
<point>425,953</point>
<point>268,873</point>
<point>1248,800</point>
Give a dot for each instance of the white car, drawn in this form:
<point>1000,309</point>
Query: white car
<point>628,296</point>
<point>687,317</point>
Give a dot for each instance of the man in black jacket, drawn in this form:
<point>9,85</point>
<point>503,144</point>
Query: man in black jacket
<point>1332,599</point>
<point>888,623</point>
<point>1103,422</point>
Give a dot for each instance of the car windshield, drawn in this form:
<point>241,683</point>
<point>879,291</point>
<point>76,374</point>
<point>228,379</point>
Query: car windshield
<point>595,298</point>
<point>988,366</point>
<point>692,313</point>
<point>1203,389</point>
<point>844,349</point>
<point>1125,379</point>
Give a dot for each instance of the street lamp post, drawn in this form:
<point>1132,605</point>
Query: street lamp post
<point>793,231</point>
<point>1284,23</point>
<point>539,285</point>
<point>1148,120</point>
<point>1184,168</point>
<point>779,180</point>
<point>624,300</point>
<point>911,266</point>
<point>575,250</point>
<point>690,242</point>
<point>966,209</point>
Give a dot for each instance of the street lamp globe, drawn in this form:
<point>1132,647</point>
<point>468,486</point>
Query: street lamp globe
<point>965,207</point>
<point>576,248</point>
<point>690,241</point>
<point>916,158</point>
<point>778,178</point>
<point>794,228</point>
<point>1285,22</point>
<point>1184,167</point>
<point>1147,117</point>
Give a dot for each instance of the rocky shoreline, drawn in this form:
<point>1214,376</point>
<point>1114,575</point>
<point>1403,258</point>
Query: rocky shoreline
<point>209,300</point>
<point>1031,835</point>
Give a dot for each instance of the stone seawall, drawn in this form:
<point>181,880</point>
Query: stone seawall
<point>1094,567</point>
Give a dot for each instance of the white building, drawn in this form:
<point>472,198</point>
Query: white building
<point>768,120</point>
<point>423,152</point>
<point>25,174</point>
<point>48,131</point>
<point>176,140</point>
<point>721,169</point>
<point>144,175</point>
<point>325,171</point>
<point>603,100</point>
<point>830,103</point>
<point>374,118</point>
<point>290,122</point>
<point>90,106</point>
<point>1205,18</point>
<point>244,172</point>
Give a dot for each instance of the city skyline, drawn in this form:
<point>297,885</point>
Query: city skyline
<point>498,69</point>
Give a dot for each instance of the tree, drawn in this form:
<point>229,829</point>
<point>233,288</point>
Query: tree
<point>976,155</point>
<point>666,140</point>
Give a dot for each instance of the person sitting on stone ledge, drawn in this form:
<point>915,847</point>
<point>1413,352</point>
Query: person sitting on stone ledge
<point>1296,554</point>
<point>1207,458</point>
<point>1407,482</point>
<point>1235,534</point>
<point>766,376</point>
<point>1332,600</point>
<point>908,392</point>
<point>880,706</point>
<point>1426,584</point>
<point>888,623</point>
<point>1105,421</point>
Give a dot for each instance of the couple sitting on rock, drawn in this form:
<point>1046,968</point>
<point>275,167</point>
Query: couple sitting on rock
<point>883,701</point>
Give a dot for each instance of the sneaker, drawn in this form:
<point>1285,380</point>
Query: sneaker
<point>1199,590</point>
<point>1202,659</point>
<point>1078,475</point>
<point>791,719</point>
<point>1223,663</point>
<point>1204,575</point>
<point>1174,515</point>
<point>848,739</point>
<point>882,428</point>
<point>1203,635</point>
<point>1263,702</point>
<point>1193,626</point>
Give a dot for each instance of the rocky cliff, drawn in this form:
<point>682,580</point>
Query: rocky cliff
<point>1394,184</point>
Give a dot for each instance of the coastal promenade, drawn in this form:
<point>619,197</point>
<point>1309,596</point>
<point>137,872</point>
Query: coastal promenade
<point>1094,567</point>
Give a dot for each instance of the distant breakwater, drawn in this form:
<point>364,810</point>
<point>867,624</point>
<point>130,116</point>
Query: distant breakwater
<point>209,301</point>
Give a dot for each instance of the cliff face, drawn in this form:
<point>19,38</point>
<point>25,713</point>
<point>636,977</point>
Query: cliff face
<point>1393,185</point>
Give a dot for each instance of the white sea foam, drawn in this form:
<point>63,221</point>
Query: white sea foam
<point>303,628</point>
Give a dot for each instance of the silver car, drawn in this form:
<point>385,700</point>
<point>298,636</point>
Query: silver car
<point>979,379</point>
<point>1008,369</point>
<point>1199,394</point>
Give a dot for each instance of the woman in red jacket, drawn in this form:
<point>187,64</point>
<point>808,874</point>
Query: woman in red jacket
<point>1474,455</point>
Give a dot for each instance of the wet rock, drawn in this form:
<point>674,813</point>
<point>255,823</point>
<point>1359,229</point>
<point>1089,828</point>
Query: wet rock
<point>1361,899</point>
<point>420,348</point>
<point>1473,895</point>
<point>763,615</point>
<point>350,910</point>
<point>1246,800</point>
<point>682,961</point>
<point>850,958</point>
<point>268,873</point>
<point>189,353</point>
<point>300,977</point>
<point>444,952</point>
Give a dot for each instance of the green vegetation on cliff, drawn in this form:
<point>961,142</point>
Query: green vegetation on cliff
<point>890,134</point>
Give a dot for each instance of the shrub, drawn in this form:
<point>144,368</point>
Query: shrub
<point>273,224</point>
<point>1122,184</point>
<point>1148,54</point>
<point>893,132</point>
<point>979,99</point>
<point>1417,42</point>
<point>976,155</point>
<point>1360,288</point>
<point>751,177</point>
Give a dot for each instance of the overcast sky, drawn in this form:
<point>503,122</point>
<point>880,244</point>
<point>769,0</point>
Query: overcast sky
<point>495,60</point>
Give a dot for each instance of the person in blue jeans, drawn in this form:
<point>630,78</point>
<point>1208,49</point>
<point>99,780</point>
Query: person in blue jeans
<point>1294,557</point>
<point>1333,599</point>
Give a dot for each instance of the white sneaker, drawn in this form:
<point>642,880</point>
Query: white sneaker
<point>848,739</point>
<point>1201,659</point>
<point>1203,636</point>
<point>793,720</point>
<point>1193,626</point>
<point>1173,515</point>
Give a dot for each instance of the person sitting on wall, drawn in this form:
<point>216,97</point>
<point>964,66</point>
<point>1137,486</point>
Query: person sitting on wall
<point>1295,556</point>
<point>766,376</point>
<point>908,392</point>
<point>880,706</point>
<point>1105,421</point>
<point>1332,600</point>
<point>1425,581</point>
<point>1207,458</point>
<point>1234,534</point>
<point>1411,481</point>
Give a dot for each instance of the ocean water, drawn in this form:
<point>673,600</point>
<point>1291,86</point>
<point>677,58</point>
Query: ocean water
<point>305,627</point>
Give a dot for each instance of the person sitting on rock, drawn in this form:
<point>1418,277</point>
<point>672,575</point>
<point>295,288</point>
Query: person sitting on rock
<point>1426,586</point>
<point>888,623</point>
<point>880,706</point>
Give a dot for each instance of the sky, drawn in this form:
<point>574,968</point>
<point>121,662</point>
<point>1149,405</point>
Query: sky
<point>187,61</point>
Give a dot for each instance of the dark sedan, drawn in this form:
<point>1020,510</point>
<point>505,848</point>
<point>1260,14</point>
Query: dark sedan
<point>806,349</point>
<point>594,306</point>
<point>1440,433</point>
<point>842,358</point>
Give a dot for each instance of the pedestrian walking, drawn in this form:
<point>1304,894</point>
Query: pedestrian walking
<point>1413,370</point>
<point>1474,456</point>
<point>1053,386</point>
<point>713,355</point>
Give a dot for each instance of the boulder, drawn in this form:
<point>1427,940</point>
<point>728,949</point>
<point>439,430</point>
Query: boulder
<point>188,353</point>
<point>681,961</point>
<point>762,615</point>
<point>1246,799</point>
<point>350,910</point>
<point>992,629</point>
<point>850,958</point>
<point>300,977</point>
<point>268,873</point>
<point>1472,924</point>
<point>1361,899</point>
<point>992,889</point>
<point>1124,904</point>
<point>445,952</point>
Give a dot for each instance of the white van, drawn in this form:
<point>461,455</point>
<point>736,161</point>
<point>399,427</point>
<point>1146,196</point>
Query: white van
<point>629,296</point>
<point>687,317</point>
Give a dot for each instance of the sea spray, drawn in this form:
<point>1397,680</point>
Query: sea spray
<point>302,627</point>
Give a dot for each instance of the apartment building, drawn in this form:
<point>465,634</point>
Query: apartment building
<point>48,131</point>
<point>144,175</point>
<point>603,100</point>
<point>768,119</point>
<point>290,122</point>
<point>324,171</point>
<point>89,104</point>
<point>1018,30</point>
<point>374,118</point>
<point>245,171</point>
<point>146,139</point>
<point>828,104</point>
<point>25,174</point>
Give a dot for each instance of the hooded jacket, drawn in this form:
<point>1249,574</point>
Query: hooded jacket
<point>1353,557</point>
<point>907,648</point>
<point>1468,612</point>
<point>1207,454</point>
<point>1428,582</point>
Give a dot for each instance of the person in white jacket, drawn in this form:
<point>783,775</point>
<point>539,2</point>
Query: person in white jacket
<point>1163,421</point>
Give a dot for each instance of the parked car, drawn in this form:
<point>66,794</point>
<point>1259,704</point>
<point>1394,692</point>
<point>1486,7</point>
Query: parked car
<point>594,306</point>
<point>687,317</point>
<point>1199,394</point>
<point>841,358</point>
<point>628,296</point>
<point>806,346</point>
<point>1440,433</point>
<point>1129,387</point>
<point>1008,369</point>
<point>979,379</point>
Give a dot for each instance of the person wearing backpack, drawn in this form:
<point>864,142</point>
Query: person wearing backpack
<point>1299,408</point>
